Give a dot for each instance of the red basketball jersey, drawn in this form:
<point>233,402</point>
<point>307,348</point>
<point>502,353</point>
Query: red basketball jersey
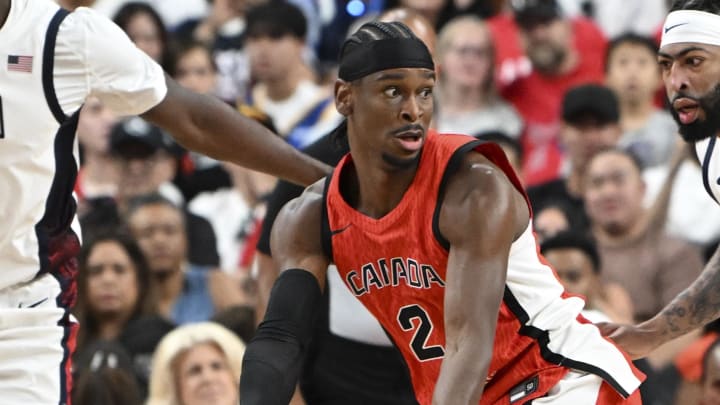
<point>396,266</point>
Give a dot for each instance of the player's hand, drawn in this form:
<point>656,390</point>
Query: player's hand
<point>636,340</point>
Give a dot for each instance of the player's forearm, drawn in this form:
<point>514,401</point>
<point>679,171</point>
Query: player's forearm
<point>691,309</point>
<point>227,135</point>
<point>270,369</point>
<point>463,373</point>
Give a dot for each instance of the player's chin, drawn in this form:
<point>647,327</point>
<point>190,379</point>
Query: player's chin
<point>402,160</point>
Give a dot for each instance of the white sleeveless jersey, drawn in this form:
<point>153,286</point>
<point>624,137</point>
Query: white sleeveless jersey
<point>710,159</point>
<point>50,62</point>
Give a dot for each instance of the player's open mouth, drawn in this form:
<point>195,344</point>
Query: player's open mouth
<point>688,110</point>
<point>410,140</point>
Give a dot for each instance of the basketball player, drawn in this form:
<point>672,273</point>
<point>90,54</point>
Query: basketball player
<point>689,59</point>
<point>372,370</point>
<point>51,61</point>
<point>432,234</point>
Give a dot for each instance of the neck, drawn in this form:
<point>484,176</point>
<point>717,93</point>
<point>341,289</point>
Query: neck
<point>635,115</point>
<point>284,87</point>
<point>4,11</point>
<point>459,98</point>
<point>378,191</point>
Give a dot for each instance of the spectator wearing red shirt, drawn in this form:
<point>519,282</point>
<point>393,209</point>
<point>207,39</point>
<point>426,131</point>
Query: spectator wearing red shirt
<point>563,53</point>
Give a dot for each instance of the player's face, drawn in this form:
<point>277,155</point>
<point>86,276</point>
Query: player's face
<point>614,191</point>
<point>112,284</point>
<point>574,269</point>
<point>390,112</point>
<point>467,61</point>
<point>204,377</point>
<point>691,73</point>
<point>633,73</point>
<point>195,71</point>
<point>160,232</point>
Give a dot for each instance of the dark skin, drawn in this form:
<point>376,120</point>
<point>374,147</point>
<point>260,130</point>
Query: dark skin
<point>477,264</point>
<point>209,126</point>
<point>691,69</point>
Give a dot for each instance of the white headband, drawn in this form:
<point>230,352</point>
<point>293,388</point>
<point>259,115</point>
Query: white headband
<point>691,26</point>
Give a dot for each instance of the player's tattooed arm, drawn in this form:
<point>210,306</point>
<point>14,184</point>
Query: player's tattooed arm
<point>694,307</point>
<point>697,305</point>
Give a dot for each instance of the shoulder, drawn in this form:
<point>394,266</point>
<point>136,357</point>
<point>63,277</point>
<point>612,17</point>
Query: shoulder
<point>480,197</point>
<point>299,222</point>
<point>85,21</point>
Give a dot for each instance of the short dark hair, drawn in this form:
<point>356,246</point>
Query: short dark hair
<point>275,19</point>
<point>632,39</point>
<point>710,6</point>
<point>573,240</point>
<point>368,32</point>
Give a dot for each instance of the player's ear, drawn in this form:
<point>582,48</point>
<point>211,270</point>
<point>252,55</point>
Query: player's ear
<point>343,97</point>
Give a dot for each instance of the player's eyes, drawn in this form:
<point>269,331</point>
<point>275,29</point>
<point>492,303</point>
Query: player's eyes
<point>392,92</point>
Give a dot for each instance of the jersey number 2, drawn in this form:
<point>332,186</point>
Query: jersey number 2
<point>424,329</point>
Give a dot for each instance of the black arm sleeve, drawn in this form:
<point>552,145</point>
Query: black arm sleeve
<point>326,150</point>
<point>273,359</point>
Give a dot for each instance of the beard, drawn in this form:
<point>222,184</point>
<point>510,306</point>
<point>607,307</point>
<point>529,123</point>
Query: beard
<point>546,57</point>
<point>701,129</point>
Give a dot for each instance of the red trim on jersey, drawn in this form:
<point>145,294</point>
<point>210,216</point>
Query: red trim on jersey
<point>608,396</point>
<point>69,344</point>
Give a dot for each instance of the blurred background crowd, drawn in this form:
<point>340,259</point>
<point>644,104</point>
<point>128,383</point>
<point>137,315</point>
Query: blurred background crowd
<point>569,88</point>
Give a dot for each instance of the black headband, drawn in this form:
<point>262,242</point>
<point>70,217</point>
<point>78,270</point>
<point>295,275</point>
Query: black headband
<point>384,54</point>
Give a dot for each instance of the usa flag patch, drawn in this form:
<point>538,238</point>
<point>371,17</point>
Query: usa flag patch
<point>18,63</point>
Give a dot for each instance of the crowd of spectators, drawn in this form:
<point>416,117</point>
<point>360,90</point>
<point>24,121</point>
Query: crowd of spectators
<point>569,88</point>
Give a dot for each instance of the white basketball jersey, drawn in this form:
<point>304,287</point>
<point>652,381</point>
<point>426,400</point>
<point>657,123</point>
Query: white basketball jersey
<point>710,160</point>
<point>44,78</point>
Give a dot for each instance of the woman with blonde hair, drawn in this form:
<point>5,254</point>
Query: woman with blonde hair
<point>197,364</point>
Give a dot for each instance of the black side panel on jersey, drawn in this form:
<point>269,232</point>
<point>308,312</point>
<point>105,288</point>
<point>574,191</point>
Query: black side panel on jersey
<point>60,205</point>
<point>325,232</point>
<point>543,339</point>
<point>452,167</point>
<point>49,65</point>
<point>706,167</point>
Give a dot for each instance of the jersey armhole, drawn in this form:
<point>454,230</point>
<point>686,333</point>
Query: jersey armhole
<point>325,232</point>
<point>48,65</point>
<point>452,167</point>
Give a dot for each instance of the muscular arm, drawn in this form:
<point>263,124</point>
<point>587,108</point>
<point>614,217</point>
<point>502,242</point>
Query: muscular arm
<point>209,126</point>
<point>482,215</point>
<point>273,359</point>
